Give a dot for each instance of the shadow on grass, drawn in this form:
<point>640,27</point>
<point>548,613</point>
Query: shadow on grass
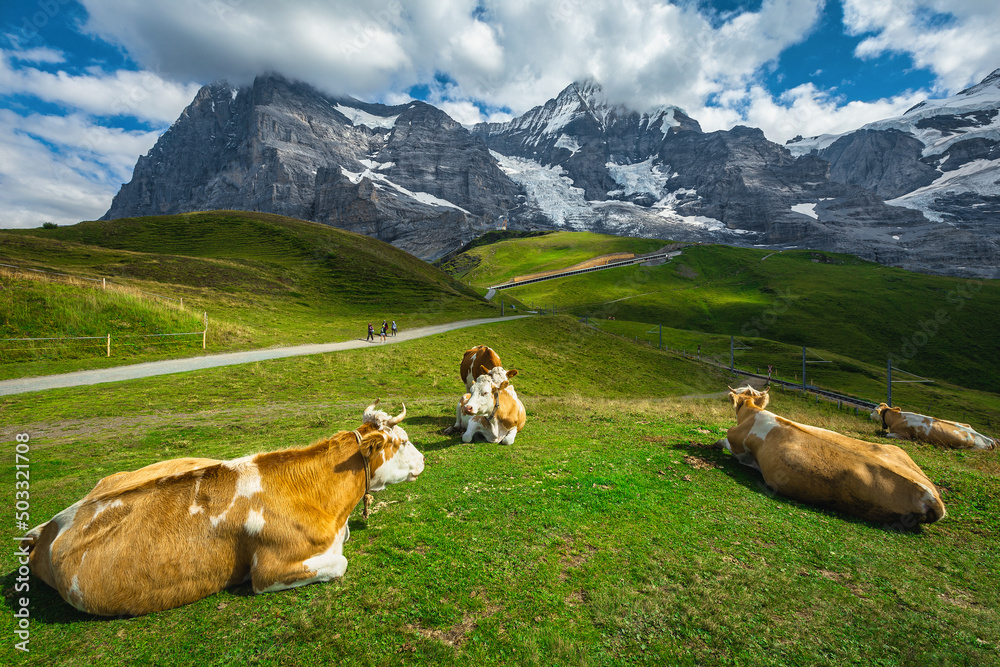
<point>45,606</point>
<point>753,480</point>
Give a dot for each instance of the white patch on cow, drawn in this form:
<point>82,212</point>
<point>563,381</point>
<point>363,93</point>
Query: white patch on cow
<point>404,466</point>
<point>75,595</point>
<point>918,423</point>
<point>747,459</point>
<point>763,423</point>
<point>66,518</point>
<point>117,502</point>
<point>248,483</point>
<point>724,443</point>
<point>254,522</point>
<point>325,566</point>
<point>929,500</point>
<point>481,399</point>
<point>195,508</point>
<point>509,438</point>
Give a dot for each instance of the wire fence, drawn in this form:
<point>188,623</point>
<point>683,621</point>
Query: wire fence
<point>840,380</point>
<point>29,349</point>
<point>103,281</point>
<point>63,347</point>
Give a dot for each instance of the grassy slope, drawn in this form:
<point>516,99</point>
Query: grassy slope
<point>843,374</point>
<point>499,262</point>
<point>263,279</point>
<point>947,328</point>
<point>609,533</point>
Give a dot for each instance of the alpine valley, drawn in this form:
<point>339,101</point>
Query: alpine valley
<point>921,191</point>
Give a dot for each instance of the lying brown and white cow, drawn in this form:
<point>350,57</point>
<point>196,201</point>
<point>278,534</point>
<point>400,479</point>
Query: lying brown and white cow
<point>813,465</point>
<point>913,426</point>
<point>474,361</point>
<point>491,408</point>
<point>177,531</point>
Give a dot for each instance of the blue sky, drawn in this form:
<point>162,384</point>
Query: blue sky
<point>86,86</point>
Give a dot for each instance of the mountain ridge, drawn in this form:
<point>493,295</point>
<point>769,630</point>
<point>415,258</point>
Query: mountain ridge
<point>411,175</point>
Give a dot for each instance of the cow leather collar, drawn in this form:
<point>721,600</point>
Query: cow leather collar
<point>368,478</point>
<point>496,406</point>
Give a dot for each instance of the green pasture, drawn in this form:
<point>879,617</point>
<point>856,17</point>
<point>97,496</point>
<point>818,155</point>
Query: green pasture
<point>609,533</point>
<point>934,326</point>
<point>495,263</point>
<point>824,369</point>
<point>264,280</point>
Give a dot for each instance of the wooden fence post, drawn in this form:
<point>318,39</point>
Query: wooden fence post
<point>204,334</point>
<point>109,345</point>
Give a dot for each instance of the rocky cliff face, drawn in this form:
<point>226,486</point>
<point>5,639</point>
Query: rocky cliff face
<point>409,174</point>
<point>941,158</point>
<point>587,165</point>
<point>920,191</point>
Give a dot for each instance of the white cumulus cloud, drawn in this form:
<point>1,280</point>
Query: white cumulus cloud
<point>956,39</point>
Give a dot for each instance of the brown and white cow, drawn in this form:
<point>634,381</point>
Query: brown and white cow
<point>913,426</point>
<point>491,408</point>
<point>813,465</point>
<point>473,363</point>
<point>177,531</point>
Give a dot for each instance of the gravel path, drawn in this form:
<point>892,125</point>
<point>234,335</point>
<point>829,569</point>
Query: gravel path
<point>25,385</point>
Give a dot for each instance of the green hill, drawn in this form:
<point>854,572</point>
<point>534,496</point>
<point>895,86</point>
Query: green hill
<point>263,280</point>
<point>943,327</point>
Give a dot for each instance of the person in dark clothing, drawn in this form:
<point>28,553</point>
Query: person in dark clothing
<point>394,327</point>
<point>371,333</point>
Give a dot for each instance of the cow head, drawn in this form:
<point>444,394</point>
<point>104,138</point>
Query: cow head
<point>484,395</point>
<point>748,396</point>
<point>497,373</point>
<point>392,458</point>
<point>878,414</point>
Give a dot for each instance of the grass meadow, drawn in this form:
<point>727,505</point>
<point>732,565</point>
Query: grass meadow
<point>935,326</point>
<point>609,533</point>
<point>263,280</point>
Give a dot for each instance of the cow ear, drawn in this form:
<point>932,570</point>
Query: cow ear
<point>372,443</point>
<point>511,373</point>
<point>504,385</point>
<point>483,369</point>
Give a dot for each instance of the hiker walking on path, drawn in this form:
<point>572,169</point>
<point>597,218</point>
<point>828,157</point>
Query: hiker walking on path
<point>394,327</point>
<point>384,327</point>
<point>371,333</point>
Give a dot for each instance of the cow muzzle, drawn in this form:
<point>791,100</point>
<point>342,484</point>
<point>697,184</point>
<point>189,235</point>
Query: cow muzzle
<point>467,409</point>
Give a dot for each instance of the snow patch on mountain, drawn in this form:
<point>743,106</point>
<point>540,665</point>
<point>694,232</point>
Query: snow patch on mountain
<point>978,176</point>
<point>359,117</point>
<point>381,182</point>
<point>549,190</point>
<point>804,146</point>
<point>568,142</point>
<point>806,209</point>
<point>639,178</point>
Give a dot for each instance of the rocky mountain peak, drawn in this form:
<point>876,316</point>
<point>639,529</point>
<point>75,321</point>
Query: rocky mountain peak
<point>409,174</point>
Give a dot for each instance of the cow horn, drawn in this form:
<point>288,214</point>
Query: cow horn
<point>372,406</point>
<point>398,418</point>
